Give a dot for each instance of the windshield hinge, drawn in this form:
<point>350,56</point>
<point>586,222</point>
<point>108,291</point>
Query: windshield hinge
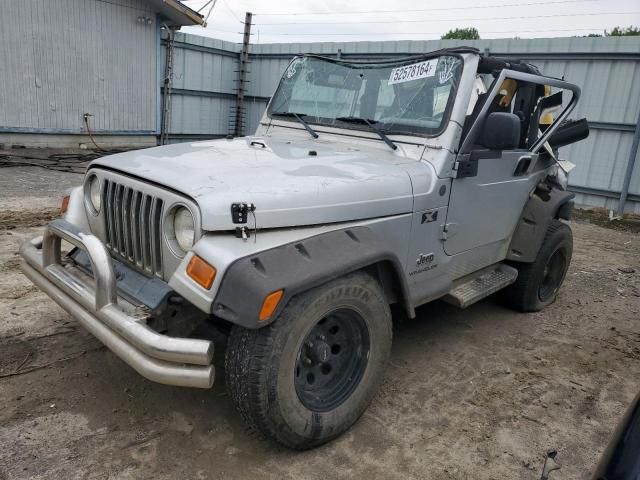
<point>465,168</point>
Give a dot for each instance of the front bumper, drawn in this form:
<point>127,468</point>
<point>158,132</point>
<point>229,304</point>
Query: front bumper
<point>95,304</point>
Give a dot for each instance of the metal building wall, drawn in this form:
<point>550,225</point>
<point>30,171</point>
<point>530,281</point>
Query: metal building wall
<point>203,86</point>
<point>63,58</point>
<point>607,70</point>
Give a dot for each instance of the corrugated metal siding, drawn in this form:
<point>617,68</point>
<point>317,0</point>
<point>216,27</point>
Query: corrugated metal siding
<point>607,70</point>
<point>63,58</point>
<point>203,85</point>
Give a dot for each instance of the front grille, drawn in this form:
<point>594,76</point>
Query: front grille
<point>133,226</point>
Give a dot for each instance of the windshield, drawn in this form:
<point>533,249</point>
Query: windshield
<point>409,97</point>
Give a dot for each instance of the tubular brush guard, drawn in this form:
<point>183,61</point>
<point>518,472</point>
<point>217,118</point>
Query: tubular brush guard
<point>95,304</point>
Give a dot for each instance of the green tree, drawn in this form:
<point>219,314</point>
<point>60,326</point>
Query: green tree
<point>469,33</point>
<point>623,32</point>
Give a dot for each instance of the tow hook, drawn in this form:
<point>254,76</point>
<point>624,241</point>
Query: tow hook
<point>550,464</point>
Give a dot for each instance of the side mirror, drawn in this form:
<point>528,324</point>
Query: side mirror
<point>501,131</point>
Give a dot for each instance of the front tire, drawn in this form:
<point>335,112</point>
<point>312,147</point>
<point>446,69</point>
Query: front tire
<point>307,377</point>
<point>538,283</point>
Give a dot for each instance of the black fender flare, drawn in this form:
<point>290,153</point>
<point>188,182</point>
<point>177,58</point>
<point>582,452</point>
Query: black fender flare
<point>546,203</point>
<point>298,266</point>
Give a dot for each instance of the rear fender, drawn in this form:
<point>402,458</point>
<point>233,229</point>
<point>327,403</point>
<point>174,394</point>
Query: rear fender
<point>546,203</point>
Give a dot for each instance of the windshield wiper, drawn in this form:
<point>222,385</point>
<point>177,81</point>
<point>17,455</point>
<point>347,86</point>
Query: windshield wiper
<point>298,116</point>
<point>372,125</point>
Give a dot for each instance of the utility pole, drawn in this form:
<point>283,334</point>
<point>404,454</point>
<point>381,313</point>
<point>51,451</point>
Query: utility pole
<point>242,77</point>
<point>629,171</point>
<point>167,84</point>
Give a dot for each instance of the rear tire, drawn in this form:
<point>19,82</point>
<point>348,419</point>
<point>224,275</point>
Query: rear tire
<point>307,377</point>
<point>538,283</point>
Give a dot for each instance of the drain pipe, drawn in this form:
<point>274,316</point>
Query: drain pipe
<point>628,174</point>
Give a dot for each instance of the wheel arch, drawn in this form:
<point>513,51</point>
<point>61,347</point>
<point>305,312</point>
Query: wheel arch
<point>547,203</point>
<point>299,266</point>
<point>390,276</point>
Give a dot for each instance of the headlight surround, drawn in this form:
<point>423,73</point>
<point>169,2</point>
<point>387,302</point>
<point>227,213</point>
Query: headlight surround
<point>184,228</point>
<point>95,194</point>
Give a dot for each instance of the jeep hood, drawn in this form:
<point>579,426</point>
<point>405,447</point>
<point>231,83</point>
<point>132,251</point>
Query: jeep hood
<point>291,184</point>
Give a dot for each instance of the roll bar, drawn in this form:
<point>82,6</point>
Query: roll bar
<point>474,131</point>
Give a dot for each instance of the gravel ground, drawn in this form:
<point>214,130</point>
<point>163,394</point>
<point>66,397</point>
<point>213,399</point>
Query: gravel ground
<point>30,187</point>
<point>474,394</point>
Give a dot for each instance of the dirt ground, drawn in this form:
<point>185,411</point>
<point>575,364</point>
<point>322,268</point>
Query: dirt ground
<point>474,394</point>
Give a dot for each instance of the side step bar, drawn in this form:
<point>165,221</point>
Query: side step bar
<point>478,285</point>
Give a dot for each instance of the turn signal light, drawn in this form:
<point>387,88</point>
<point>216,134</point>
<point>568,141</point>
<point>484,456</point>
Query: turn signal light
<point>269,305</point>
<point>201,272</point>
<point>64,206</point>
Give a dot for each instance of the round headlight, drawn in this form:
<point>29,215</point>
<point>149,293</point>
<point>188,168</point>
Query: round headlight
<point>184,228</point>
<point>94,193</point>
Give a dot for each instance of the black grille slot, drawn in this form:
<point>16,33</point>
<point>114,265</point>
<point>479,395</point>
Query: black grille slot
<point>133,229</point>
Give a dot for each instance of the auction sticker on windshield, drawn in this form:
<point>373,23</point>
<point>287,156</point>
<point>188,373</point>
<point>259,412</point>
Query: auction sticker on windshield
<point>413,72</point>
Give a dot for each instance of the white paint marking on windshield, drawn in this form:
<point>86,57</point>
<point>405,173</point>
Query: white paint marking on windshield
<point>291,71</point>
<point>413,72</point>
<point>447,66</point>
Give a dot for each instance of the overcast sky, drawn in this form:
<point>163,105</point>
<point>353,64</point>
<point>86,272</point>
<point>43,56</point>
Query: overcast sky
<point>285,21</point>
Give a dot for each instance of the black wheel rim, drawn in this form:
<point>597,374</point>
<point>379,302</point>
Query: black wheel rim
<point>332,360</point>
<point>553,274</point>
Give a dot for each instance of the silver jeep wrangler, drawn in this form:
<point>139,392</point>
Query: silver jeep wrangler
<point>367,183</point>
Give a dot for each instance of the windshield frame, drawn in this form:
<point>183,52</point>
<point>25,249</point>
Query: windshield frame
<point>384,63</point>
